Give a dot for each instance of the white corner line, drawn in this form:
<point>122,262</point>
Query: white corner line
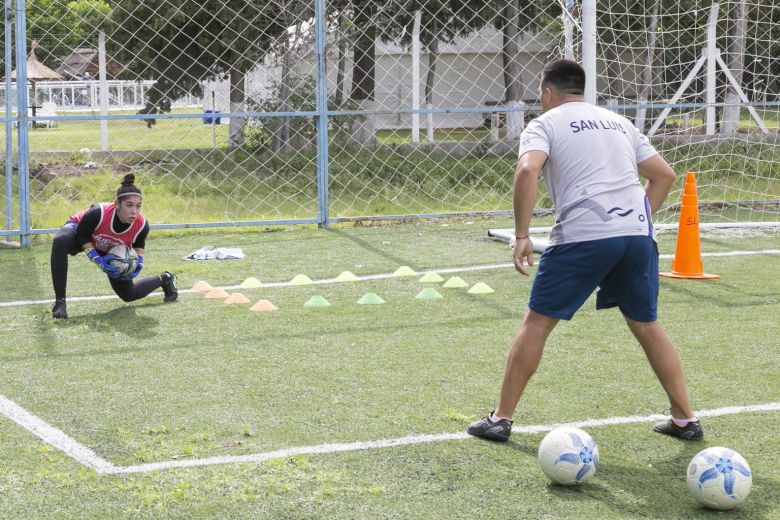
<point>54,437</point>
<point>87,457</point>
<point>382,276</point>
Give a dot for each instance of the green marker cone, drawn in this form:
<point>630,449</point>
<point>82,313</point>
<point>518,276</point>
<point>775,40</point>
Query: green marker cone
<point>317,301</point>
<point>347,276</point>
<point>455,283</point>
<point>404,270</point>
<point>301,279</point>
<point>250,283</point>
<point>429,293</point>
<point>481,288</point>
<point>431,277</point>
<point>370,299</point>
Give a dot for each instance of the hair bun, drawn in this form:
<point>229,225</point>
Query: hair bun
<point>128,180</point>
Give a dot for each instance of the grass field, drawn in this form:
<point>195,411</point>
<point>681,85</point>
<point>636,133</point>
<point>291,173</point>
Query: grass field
<point>219,186</point>
<point>150,382</point>
<point>125,134</point>
<point>130,134</point>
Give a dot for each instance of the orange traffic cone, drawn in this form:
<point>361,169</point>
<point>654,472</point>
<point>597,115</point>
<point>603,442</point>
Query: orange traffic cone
<point>687,255</point>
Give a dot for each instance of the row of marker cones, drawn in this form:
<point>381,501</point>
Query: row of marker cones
<point>429,293</point>
<point>218,293</point>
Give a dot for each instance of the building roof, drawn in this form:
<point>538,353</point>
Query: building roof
<point>37,71</point>
<point>83,60</point>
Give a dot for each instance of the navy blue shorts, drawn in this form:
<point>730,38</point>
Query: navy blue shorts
<point>624,270</point>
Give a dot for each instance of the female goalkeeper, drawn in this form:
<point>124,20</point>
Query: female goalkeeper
<point>96,230</point>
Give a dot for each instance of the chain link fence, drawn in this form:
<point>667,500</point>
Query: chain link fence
<point>243,113</point>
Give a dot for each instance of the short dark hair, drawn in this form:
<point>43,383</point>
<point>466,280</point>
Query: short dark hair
<point>128,187</point>
<point>565,76</point>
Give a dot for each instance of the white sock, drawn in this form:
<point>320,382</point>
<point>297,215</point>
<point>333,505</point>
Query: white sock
<point>496,418</point>
<point>682,423</point>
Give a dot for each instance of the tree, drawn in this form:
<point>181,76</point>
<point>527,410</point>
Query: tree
<point>736,63</point>
<point>647,71</point>
<point>287,43</point>
<point>510,49</point>
<point>181,44</point>
<point>363,71</point>
<point>59,27</point>
<point>441,21</point>
<point>512,21</point>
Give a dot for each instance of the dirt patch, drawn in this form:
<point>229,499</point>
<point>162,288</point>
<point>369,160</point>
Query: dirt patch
<point>45,172</point>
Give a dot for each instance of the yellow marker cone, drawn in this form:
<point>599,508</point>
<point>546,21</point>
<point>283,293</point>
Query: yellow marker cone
<point>347,276</point>
<point>370,299</point>
<point>431,278</point>
<point>429,293</point>
<point>404,270</point>
<point>263,306</point>
<point>250,283</point>
<point>301,279</point>
<point>236,298</point>
<point>480,288</point>
<point>217,293</point>
<point>455,283</point>
<point>202,286</point>
<point>317,301</point>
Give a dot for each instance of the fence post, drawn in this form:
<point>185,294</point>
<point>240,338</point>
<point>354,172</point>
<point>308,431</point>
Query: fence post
<point>323,215</point>
<point>9,150</point>
<point>568,26</point>
<point>416,51</point>
<point>23,119</point>
<point>589,49</point>
<point>103,79</point>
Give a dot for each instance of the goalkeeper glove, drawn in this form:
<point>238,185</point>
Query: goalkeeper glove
<point>137,269</point>
<point>104,262</point>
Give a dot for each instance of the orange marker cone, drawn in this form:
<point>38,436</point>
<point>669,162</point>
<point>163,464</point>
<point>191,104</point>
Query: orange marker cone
<point>687,255</point>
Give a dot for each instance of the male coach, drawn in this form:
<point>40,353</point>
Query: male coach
<point>603,239</point>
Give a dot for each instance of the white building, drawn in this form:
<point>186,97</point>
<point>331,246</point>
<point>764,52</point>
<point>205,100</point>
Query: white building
<point>468,75</point>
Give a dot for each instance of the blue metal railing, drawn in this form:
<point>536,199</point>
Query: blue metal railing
<point>23,131</point>
<point>16,45</point>
<point>9,168</point>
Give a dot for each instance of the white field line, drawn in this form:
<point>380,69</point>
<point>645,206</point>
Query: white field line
<point>446,270</point>
<point>87,457</point>
<point>54,437</point>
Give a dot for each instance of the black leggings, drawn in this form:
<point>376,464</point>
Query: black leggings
<point>65,243</point>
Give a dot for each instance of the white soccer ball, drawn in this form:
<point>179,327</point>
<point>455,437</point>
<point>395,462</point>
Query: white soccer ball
<point>568,456</point>
<point>126,259</point>
<point>719,478</point>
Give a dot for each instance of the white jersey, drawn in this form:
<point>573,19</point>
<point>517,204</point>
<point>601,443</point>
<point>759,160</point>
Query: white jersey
<point>591,172</point>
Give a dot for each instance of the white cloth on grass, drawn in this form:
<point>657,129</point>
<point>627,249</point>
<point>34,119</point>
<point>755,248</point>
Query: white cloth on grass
<point>216,253</point>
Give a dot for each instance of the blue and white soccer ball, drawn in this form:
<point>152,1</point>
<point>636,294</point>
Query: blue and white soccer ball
<point>719,478</point>
<point>126,259</point>
<point>568,456</point>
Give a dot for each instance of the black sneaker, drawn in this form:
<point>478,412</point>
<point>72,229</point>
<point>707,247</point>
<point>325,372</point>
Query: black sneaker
<point>690,432</point>
<point>169,286</point>
<point>59,311</point>
<point>488,429</point>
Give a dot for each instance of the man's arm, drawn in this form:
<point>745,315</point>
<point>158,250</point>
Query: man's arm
<point>529,166</point>
<point>660,178</point>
